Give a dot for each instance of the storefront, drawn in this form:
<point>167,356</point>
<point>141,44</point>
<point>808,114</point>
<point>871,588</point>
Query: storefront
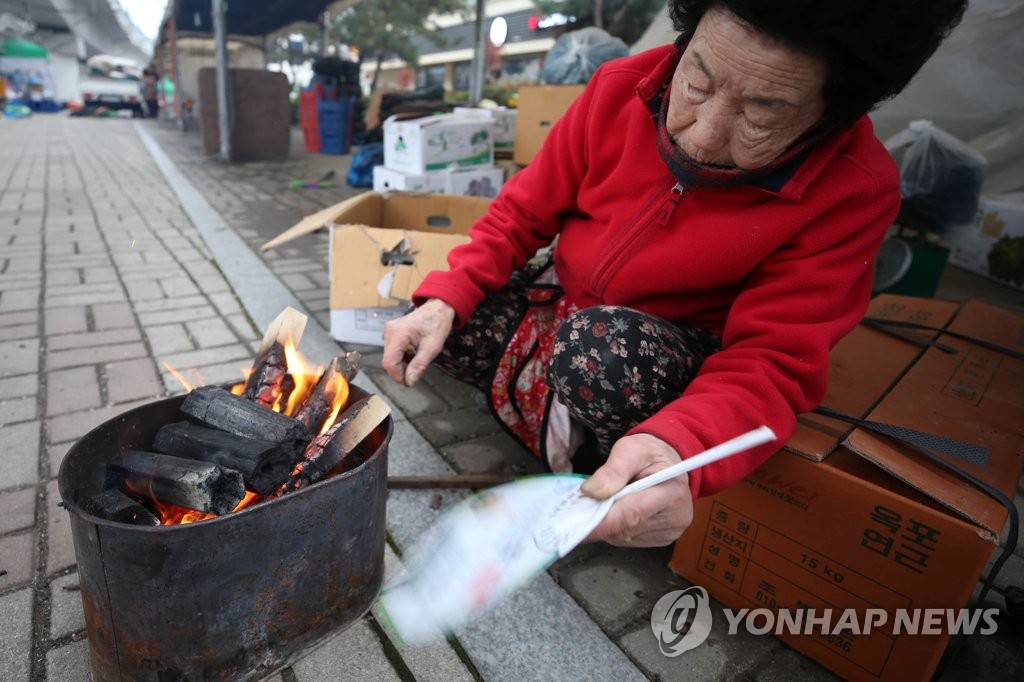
<point>529,35</point>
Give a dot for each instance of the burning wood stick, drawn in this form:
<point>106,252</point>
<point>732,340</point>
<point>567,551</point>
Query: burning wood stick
<point>114,505</point>
<point>184,482</point>
<point>266,384</point>
<point>333,450</point>
<point>269,382</point>
<point>318,404</point>
<point>290,324</point>
<point>264,465</point>
<point>220,409</point>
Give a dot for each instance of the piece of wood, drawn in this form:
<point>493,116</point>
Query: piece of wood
<point>319,402</point>
<point>175,480</point>
<point>114,505</point>
<point>290,324</point>
<point>264,465</point>
<point>220,409</point>
<point>452,481</point>
<point>334,450</point>
<point>266,383</point>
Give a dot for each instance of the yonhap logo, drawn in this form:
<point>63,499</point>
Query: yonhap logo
<point>681,620</point>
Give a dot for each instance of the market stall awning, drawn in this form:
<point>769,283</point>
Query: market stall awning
<point>254,18</point>
<point>14,47</point>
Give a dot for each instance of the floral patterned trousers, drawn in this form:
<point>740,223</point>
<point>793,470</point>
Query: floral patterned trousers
<point>612,367</point>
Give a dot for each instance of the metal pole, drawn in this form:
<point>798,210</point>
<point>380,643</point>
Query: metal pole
<point>219,10</point>
<point>172,31</point>
<point>476,92</point>
<point>324,23</point>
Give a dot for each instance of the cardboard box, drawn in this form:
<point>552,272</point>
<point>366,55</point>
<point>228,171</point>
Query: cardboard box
<point>475,181</point>
<point>540,107</point>
<point>382,246</point>
<point>843,518</point>
<point>478,181</point>
<point>994,244</point>
<point>432,143</point>
<point>504,124</point>
<point>390,180</point>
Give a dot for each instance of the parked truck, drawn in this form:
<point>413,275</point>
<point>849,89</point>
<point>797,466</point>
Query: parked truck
<point>119,92</point>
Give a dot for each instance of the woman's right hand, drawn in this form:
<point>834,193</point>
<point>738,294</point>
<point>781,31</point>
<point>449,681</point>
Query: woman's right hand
<point>420,334</point>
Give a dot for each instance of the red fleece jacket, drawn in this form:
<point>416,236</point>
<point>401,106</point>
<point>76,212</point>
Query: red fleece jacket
<point>780,275</point>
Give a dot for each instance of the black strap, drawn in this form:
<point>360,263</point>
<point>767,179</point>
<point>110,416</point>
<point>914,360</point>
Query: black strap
<point>931,442</point>
<point>923,447</point>
<point>884,326</point>
<point>879,323</point>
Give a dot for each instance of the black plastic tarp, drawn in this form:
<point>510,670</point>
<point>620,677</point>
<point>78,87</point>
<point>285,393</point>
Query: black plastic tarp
<point>246,17</point>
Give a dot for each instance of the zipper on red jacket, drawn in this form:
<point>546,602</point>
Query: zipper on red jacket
<point>675,195</point>
<point>659,217</point>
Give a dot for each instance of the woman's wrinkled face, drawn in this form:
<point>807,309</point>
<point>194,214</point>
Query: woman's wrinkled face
<point>740,99</point>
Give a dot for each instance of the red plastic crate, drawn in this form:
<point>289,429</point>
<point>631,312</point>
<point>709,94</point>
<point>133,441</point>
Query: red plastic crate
<point>308,106</point>
<point>308,119</point>
<point>311,138</point>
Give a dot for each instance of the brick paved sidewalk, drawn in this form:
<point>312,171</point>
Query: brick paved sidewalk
<point>107,273</point>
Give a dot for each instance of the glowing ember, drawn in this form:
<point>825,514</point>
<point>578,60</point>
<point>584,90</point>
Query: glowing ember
<point>191,516</point>
<point>172,515</point>
<point>249,499</point>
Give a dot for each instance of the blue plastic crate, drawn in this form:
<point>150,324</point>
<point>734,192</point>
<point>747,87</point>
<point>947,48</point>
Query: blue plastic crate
<point>327,108</point>
<point>333,145</point>
<point>45,106</point>
<point>334,119</point>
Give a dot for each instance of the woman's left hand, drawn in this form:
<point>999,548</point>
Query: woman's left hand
<point>651,518</point>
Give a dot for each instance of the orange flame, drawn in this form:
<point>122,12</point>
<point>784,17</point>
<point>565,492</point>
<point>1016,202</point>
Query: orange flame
<point>172,515</point>
<point>193,516</point>
<point>340,398</point>
<point>186,384</point>
<point>303,375</point>
<point>248,499</point>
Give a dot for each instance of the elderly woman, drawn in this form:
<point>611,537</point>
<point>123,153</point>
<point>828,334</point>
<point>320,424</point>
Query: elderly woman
<point>717,206</point>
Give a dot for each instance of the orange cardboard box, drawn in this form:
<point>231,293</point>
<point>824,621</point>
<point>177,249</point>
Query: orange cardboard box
<point>843,518</point>
<point>540,107</point>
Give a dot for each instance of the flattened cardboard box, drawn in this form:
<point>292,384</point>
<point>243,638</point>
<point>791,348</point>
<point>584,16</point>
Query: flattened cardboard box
<point>842,518</point>
<point>382,246</point>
